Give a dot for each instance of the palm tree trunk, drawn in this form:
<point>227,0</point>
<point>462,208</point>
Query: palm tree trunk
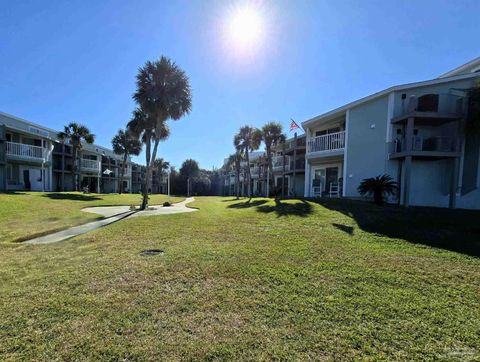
<point>74,168</point>
<point>122,174</point>
<point>271,181</point>
<point>249,175</point>
<point>147,180</point>
<point>237,179</point>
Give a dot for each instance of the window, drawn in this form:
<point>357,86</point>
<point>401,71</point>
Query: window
<point>13,173</point>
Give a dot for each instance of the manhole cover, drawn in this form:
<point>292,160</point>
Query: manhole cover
<point>152,252</point>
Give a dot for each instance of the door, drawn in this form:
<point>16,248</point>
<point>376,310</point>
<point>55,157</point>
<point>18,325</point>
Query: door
<point>323,177</point>
<point>318,182</point>
<point>26,180</point>
<point>331,177</point>
<point>35,178</point>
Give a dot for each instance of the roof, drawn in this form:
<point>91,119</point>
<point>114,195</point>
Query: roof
<point>338,111</point>
<point>470,67</point>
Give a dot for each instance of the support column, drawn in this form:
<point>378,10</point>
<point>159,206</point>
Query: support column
<point>406,186</point>
<point>308,167</point>
<point>408,161</point>
<point>454,184</point>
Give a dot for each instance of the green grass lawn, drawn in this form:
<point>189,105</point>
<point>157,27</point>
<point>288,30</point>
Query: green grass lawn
<point>239,280</point>
<point>24,215</point>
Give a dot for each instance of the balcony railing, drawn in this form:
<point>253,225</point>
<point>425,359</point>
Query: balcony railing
<point>419,143</point>
<point>278,163</point>
<point>432,105</point>
<point>89,164</point>
<point>24,151</point>
<point>328,142</point>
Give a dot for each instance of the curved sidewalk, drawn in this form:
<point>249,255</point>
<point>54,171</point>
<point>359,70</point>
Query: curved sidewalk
<point>112,214</point>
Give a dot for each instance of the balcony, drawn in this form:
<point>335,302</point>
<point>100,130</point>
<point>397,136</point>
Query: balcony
<point>432,108</point>
<point>433,146</point>
<point>26,152</point>
<point>299,164</point>
<point>328,143</point>
<point>89,165</point>
<point>278,163</point>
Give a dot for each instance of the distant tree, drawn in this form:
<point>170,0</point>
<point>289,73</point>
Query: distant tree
<point>272,136</point>
<point>247,140</point>
<point>75,133</point>
<point>125,143</point>
<point>161,166</point>
<point>188,171</point>
<point>379,186</point>
<point>163,93</point>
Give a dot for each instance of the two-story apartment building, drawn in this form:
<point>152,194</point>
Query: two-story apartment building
<point>25,155</point>
<point>414,132</point>
<point>257,171</point>
<point>32,158</point>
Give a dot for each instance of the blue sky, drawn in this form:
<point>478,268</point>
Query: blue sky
<point>63,61</point>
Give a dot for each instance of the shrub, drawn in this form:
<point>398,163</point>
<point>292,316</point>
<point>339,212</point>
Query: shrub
<point>379,186</point>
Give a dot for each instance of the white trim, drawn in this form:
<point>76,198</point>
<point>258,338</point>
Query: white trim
<point>473,63</point>
<point>336,112</point>
<point>345,153</point>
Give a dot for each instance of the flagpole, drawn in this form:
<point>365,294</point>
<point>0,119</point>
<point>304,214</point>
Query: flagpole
<point>294,164</point>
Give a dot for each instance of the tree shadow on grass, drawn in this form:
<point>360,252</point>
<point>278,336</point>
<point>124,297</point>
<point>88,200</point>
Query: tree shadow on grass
<point>247,204</point>
<point>345,228</point>
<point>299,208</point>
<point>17,193</point>
<point>68,196</point>
<point>454,230</point>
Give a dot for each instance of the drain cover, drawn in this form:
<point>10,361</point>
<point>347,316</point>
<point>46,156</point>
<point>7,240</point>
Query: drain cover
<point>151,252</point>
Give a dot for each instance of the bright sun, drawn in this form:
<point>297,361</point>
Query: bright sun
<point>245,27</point>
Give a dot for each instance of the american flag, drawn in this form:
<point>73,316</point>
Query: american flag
<point>293,126</point>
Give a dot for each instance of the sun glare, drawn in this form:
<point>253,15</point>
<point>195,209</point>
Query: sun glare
<point>245,26</point>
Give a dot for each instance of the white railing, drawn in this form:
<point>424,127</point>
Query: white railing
<point>328,142</point>
<point>89,164</point>
<point>22,150</point>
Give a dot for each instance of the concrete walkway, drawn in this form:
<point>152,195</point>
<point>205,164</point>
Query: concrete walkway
<point>153,210</point>
<point>111,214</point>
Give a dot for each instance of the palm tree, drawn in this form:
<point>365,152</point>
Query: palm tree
<point>247,140</point>
<point>75,134</point>
<point>272,136</point>
<point>163,93</point>
<point>379,186</point>
<point>126,144</point>
<point>161,166</point>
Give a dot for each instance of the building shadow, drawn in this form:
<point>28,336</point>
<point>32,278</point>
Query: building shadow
<point>71,196</point>
<point>247,204</point>
<point>17,193</point>
<point>297,208</point>
<point>454,230</point>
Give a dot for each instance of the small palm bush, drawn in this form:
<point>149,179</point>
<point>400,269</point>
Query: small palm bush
<point>379,186</point>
